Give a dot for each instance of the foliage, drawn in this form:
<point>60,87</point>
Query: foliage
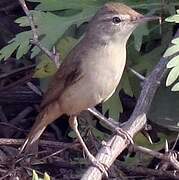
<point>51,26</point>
<point>164,110</point>
<point>55,21</point>
<point>36,177</point>
<point>174,62</point>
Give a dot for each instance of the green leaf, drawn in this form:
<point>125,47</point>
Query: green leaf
<point>171,50</point>
<point>113,105</point>
<point>23,21</point>
<point>99,134</point>
<point>164,108</point>
<point>175,87</point>
<point>8,50</point>
<point>65,45</point>
<point>45,68</point>
<point>44,83</point>
<point>20,42</point>
<point>173,62</point>
<point>172,76</point>
<point>51,27</point>
<point>138,35</point>
<point>174,18</point>
<point>46,176</point>
<point>125,84</point>
<point>148,60</point>
<point>72,134</point>
<point>55,5</point>
<point>175,41</point>
<point>34,175</point>
<point>23,49</point>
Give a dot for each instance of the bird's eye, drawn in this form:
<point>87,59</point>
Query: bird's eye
<point>116,20</point>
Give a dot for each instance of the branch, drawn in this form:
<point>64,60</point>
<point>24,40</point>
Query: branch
<point>169,157</point>
<point>24,79</point>
<point>16,71</point>
<point>114,147</point>
<point>43,143</point>
<point>54,56</point>
<point>146,172</point>
<point>138,75</point>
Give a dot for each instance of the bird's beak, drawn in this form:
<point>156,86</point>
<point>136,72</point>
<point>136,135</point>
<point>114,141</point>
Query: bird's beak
<point>144,19</point>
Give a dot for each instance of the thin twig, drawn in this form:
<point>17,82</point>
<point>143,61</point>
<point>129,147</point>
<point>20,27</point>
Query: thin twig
<point>43,143</point>
<point>21,115</point>
<point>163,165</point>
<point>176,140</point>
<point>167,157</point>
<point>34,88</point>
<point>18,82</point>
<point>16,121</point>
<point>138,75</point>
<point>54,154</point>
<point>13,72</point>
<point>30,169</point>
<point>12,126</point>
<point>35,41</point>
<point>3,117</point>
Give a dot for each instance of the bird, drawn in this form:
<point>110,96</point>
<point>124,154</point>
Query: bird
<point>90,73</point>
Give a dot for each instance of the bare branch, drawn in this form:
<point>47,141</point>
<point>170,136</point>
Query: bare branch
<point>138,75</point>
<point>14,72</point>
<point>43,143</point>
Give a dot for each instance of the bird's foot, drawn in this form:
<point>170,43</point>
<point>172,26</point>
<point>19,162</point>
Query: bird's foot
<point>124,134</point>
<point>120,131</point>
<point>102,167</point>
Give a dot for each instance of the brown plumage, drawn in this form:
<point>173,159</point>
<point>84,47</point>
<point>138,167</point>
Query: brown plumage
<point>122,9</point>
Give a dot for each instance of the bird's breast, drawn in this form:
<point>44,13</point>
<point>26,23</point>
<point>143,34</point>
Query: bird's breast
<point>104,69</point>
<point>101,72</point>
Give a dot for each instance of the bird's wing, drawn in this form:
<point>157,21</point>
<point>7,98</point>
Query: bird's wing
<point>68,73</point>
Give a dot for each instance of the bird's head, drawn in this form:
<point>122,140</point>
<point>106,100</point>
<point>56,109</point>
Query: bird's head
<point>116,21</point>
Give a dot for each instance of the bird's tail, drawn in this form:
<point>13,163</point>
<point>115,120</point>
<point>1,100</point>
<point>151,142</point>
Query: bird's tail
<point>47,115</point>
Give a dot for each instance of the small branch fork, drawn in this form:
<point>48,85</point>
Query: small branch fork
<point>54,56</point>
<point>114,146</point>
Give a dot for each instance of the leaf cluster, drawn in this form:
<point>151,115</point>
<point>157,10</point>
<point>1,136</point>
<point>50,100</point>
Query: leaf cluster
<point>174,62</point>
<point>36,177</point>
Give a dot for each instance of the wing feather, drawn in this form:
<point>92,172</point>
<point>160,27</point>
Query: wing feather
<point>68,73</point>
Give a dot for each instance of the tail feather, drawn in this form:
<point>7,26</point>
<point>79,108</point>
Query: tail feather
<point>49,114</point>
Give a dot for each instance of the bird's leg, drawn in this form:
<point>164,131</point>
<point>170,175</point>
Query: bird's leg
<point>74,125</point>
<point>110,123</point>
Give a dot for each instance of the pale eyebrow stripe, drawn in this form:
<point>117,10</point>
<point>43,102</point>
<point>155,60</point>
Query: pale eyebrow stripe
<point>107,18</point>
<point>110,19</point>
<point>125,17</point>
